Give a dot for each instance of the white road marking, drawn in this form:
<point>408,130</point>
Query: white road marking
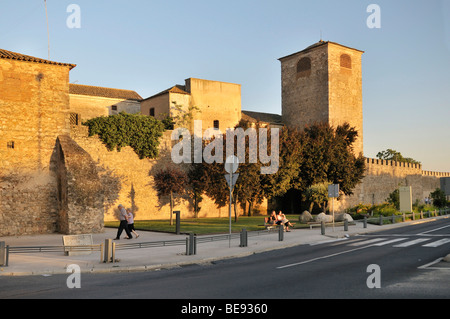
<point>430,231</point>
<point>389,241</point>
<point>370,241</point>
<point>437,243</point>
<point>412,242</point>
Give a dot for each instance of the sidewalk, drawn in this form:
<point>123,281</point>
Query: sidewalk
<point>155,258</point>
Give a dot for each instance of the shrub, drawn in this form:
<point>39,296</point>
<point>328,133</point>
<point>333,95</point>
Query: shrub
<point>141,132</point>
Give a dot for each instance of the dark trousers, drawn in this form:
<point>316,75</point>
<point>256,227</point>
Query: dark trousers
<point>123,226</point>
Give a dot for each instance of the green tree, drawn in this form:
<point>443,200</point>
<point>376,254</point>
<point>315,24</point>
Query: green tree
<point>140,132</point>
<point>394,199</point>
<point>288,175</point>
<point>317,194</point>
<point>328,156</point>
<point>169,182</point>
<point>393,155</point>
<point>439,198</point>
<point>197,178</point>
<point>249,190</point>
<point>184,117</point>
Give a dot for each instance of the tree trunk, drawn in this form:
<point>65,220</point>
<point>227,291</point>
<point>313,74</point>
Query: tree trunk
<point>250,208</point>
<point>171,208</point>
<point>235,211</point>
<point>195,206</point>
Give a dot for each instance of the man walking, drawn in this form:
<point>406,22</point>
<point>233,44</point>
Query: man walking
<point>123,223</point>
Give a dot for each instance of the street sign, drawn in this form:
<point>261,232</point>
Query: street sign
<point>231,164</point>
<point>405,198</point>
<point>333,190</point>
<point>233,182</point>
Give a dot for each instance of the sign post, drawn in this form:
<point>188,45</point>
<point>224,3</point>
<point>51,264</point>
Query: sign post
<point>231,166</point>
<point>333,192</point>
<point>405,197</point>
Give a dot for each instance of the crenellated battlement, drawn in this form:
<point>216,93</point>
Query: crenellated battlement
<point>402,168</point>
<point>376,161</point>
<point>436,174</point>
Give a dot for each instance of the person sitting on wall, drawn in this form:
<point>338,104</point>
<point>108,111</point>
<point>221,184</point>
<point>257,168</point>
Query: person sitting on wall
<point>282,220</point>
<point>271,220</point>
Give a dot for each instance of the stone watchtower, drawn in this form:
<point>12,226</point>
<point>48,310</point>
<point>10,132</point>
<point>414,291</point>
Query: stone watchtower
<point>323,83</point>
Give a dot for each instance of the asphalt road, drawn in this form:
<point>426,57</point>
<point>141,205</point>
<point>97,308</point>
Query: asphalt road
<point>400,263</point>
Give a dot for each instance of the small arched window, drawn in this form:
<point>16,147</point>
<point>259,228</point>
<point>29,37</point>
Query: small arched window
<point>303,67</point>
<point>346,61</point>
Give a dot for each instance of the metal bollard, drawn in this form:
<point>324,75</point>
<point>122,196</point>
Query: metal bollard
<point>191,245</point>
<point>322,228</point>
<point>194,246</point>
<point>381,220</point>
<point>101,252</point>
<point>281,233</point>
<point>177,223</point>
<point>345,224</point>
<point>107,251</point>
<point>113,252</point>
<point>244,238</point>
<point>365,222</point>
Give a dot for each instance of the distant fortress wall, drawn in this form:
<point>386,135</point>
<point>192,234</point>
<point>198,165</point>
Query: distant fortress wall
<point>382,177</point>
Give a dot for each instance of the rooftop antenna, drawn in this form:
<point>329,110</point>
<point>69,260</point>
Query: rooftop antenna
<point>48,32</point>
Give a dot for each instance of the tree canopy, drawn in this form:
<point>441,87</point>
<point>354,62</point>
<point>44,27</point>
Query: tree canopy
<point>168,182</point>
<point>393,155</point>
<point>141,132</point>
<point>319,154</point>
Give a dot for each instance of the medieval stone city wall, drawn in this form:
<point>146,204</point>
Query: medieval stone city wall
<point>128,180</point>
<point>54,178</point>
<point>34,102</point>
<point>382,177</point>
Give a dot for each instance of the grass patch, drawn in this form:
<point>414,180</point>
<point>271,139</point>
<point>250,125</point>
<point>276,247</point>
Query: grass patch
<point>202,226</point>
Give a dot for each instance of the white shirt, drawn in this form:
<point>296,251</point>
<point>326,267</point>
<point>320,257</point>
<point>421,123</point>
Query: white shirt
<point>130,218</point>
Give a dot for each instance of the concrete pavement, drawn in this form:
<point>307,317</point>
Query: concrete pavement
<point>155,258</point>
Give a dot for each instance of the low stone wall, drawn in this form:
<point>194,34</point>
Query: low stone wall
<point>28,203</point>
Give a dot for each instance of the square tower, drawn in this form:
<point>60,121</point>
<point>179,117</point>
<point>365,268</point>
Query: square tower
<point>323,83</point>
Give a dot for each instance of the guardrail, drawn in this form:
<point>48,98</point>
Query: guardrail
<point>108,249</point>
<point>6,250</point>
<point>413,216</point>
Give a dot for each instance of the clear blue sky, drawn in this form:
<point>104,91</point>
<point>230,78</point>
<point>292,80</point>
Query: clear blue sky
<point>148,46</point>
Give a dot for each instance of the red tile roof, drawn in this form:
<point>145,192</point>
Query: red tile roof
<point>103,92</point>
<point>180,89</point>
<point>5,54</point>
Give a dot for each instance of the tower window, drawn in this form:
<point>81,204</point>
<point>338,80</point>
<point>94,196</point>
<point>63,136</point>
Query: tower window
<point>10,145</point>
<point>114,108</point>
<point>152,111</point>
<point>303,67</point>
<point>74,119</point>
<point>216,124</point>
<point>346,61</point>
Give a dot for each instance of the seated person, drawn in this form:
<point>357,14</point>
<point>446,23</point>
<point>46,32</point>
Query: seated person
<point>282,220</point>
<point>271,219</point>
